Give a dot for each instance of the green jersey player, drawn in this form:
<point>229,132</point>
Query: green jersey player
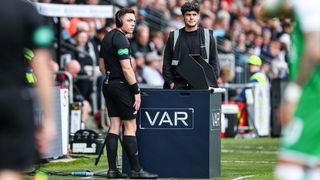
<point>299,156</point>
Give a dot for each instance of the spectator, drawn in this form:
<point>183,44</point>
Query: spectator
<point>141,41</point>
<point>176,20</point>
<point>241,47</point>
<point>98,38</point>
<point>73,68</point>
<point>140,64</point>
<point>225,75</point>
<point>285,35</point>
<point>85,60</point>
<point>256,50</point>
<point>55,68</point>
<point>207,19</point>
<point>167,33</point>
<point>157,15</point>
<point>151,72</point>
<point>156,44</point>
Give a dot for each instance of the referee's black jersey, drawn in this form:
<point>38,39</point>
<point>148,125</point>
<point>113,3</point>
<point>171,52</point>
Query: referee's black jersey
<point>21,27</point>
<point>114,48</point>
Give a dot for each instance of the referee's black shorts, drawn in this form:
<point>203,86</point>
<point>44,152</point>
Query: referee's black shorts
<point>119,100</point>
<point>17,130</point>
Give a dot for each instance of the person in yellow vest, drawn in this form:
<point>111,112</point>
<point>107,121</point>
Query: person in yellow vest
<point>256,75</point>
<point>245,97</point>
<point>28,56</point>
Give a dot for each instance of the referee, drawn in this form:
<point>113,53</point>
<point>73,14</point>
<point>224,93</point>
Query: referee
<point>122,94</point>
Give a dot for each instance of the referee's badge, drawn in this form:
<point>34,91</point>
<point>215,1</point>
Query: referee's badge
<point>123,51</point>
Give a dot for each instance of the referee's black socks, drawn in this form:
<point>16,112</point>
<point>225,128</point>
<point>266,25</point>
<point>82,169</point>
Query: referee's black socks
<point>112,148</point>
<point>131,148</point>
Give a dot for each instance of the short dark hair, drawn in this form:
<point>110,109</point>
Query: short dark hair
<point>190,6</point>
<point>124,11</point>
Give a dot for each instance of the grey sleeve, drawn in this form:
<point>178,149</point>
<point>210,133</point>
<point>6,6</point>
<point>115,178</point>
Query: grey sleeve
<point>213,59</point>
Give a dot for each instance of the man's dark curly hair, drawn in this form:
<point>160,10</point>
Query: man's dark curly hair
<point>190,6</point>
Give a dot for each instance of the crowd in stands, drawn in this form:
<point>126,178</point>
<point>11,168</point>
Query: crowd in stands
<point>236,27</point>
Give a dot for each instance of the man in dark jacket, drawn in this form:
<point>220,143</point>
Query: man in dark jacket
<point>191,40</point>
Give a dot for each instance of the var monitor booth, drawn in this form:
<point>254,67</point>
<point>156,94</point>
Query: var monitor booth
<point>179,130</point>
<point>197,72</point>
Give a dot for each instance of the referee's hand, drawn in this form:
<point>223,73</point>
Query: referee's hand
<point>137,101</point>
<point>172,85</point>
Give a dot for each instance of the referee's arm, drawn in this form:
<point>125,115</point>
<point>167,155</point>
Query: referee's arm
<point>128,71</point>
<point>131,78</point>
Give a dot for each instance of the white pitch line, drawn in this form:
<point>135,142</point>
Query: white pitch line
<point>257,162</point>
<point>242,177</point>
<point>62,160</point>
<point>245,151</point>
<point>247,147</point>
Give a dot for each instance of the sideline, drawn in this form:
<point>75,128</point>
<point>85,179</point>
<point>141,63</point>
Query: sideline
<point>246,162</point>
<point>243,177</point>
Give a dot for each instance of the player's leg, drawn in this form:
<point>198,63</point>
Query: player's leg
<point>300,150</point>
<point>289,171</point>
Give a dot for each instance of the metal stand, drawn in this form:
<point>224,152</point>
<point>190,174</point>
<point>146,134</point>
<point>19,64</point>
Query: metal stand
<point>104,144</point>
<point>101,151</point>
